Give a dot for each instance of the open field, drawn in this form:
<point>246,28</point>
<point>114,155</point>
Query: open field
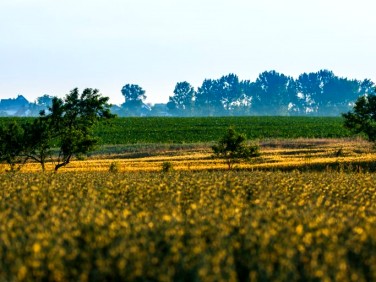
<point>164,130</point>
<point>283,155</point>
<point>302,211</point>
<point>188,226</point>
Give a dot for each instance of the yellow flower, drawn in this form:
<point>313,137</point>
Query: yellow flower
<point>299,229</point>
<point>36,248</point>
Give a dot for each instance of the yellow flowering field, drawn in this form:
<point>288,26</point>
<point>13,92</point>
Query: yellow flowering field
<point>300,154</point>
<point>188,226</point>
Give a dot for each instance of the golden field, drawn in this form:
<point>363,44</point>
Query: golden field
<point>302,211</point>
<point>188,226</point>
<point>275,155</point>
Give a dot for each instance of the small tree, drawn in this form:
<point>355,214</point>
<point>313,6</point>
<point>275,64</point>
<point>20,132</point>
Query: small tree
<point>363,117</point>
<point>233,148</point>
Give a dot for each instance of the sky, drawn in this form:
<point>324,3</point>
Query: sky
<point>52,46</point>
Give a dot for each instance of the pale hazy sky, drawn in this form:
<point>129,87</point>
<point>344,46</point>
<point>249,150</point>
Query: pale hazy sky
<point>53,46</point>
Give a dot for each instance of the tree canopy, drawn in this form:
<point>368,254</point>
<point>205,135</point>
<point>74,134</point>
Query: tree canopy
<point>67,126</point>
<point>273,93</point>
<point>320,93</point>
<point>134,97</point>
<point>362,119</point>
<point>232,148</point>
<point>183,99</point>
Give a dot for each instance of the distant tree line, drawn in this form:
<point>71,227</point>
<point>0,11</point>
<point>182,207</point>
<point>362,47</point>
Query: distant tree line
<point>273,93</point>
<point>317,93</point>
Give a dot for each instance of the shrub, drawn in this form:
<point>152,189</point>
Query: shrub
<point>233,148</point>
<point>114,167</point>
<point>167,166</point>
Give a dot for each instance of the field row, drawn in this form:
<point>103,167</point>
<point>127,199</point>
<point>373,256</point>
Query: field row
<point>298,154</point>
<point>208,129</point>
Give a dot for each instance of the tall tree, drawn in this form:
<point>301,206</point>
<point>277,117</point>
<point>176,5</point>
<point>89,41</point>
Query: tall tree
<point>182,102</point>
<point>326,94</point>
<point>44,101</point>
<point>68,126</point>
<point>274,94</point>
<point>134,97</point>
<point>73,119</point>
<point>208,99</point>
<point>309,87</point>
<point>230,92</point>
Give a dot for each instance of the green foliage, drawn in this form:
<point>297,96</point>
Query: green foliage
<point>68,127</point>
<point>133,92</point>
<point>71,119</point>
<point>134,96</point>
<point>232,148</point>
<point>320,93</point>
<point>40,137</point>
<point>182,102</point>
<point>12,145</point>
<point>363,117</point>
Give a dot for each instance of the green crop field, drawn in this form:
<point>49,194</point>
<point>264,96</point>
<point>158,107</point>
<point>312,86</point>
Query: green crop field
<point>208,129</point>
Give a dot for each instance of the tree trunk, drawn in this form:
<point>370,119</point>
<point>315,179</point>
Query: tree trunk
<point>64,163</point>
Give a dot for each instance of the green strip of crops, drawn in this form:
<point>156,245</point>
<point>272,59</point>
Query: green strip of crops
<point>208,129</point>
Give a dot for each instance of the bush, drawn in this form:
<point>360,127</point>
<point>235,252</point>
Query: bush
<point>233,148</point>
<point>114,167</point>
<point>167,166</point>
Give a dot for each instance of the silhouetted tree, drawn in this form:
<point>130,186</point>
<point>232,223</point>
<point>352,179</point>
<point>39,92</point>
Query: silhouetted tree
<point>44,101</point>
<point>72,120</point>
<point>208,99</point>
<point>308,88</point>
<point>326,94</point>
<point>274,94</point>
<point>134,99</point>
<point>68,126</point>
<point>182,102</point>
<point>224,96</point>
<point>230,91</point>
<point>362,119</point>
